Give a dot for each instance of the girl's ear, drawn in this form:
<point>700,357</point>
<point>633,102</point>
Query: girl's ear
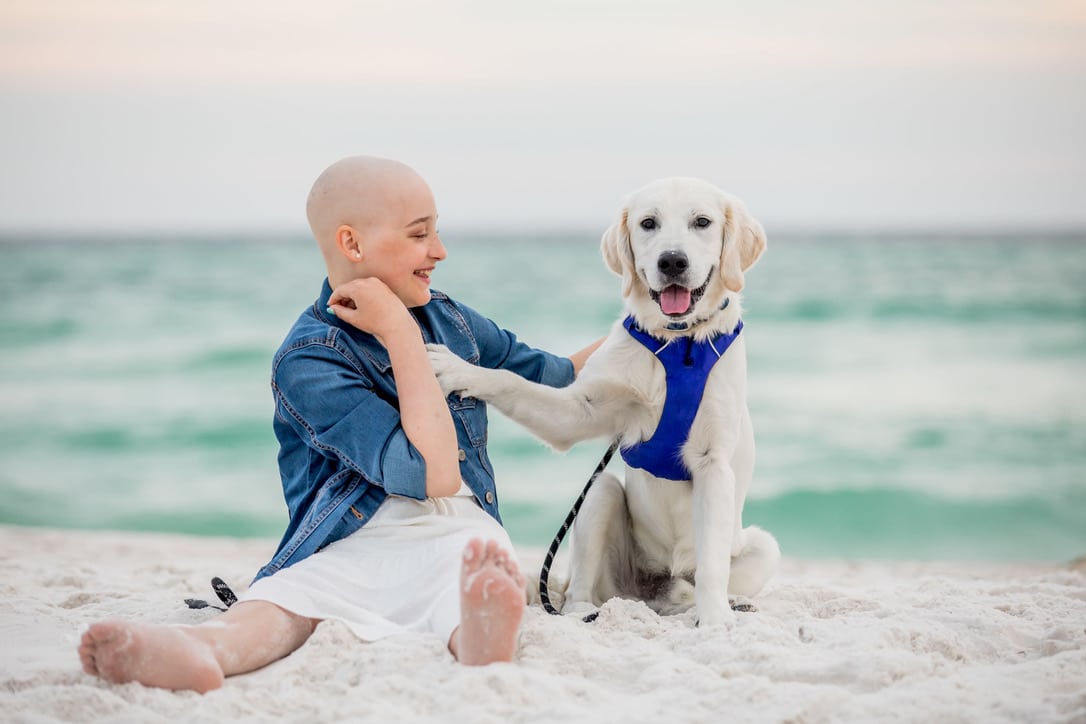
<point>349,243</point>
<point>744,241</point>
<point>617,251</point>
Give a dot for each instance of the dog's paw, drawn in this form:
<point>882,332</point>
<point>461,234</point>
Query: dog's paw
<point>715,615</point>
<point>679,597</point>
<point>580,609</point>
<point>743,605</point>
<point>453,374</point>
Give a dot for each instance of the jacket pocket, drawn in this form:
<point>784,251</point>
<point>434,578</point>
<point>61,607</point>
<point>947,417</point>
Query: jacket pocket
<point>471,414</point>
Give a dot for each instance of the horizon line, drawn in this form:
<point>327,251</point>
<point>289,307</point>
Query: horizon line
<point>208,234</point>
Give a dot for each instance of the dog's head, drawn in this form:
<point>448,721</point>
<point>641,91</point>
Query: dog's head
<point>681,246</point>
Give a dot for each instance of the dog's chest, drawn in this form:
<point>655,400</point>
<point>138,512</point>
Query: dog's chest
<point>686,365</point>
<point>662,523</point>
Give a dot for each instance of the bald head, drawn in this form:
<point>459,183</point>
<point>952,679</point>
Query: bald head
<point>357,191</point>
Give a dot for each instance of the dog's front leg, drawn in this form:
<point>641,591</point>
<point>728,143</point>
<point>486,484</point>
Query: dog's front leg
<point>709,454</point>
<point>592,406</point>
<point>714,523</point>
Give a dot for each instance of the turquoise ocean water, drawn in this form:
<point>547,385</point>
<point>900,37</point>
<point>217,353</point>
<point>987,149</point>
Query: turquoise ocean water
<point>914,397</point>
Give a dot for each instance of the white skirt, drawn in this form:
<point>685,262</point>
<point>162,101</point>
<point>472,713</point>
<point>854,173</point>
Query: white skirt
<point>399,572</point>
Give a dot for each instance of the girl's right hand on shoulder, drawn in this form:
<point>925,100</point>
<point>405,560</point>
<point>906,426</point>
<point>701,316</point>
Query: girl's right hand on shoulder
<point>369,305</point>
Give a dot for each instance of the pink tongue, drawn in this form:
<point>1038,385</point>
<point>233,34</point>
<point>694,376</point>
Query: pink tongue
<point>675,300</point>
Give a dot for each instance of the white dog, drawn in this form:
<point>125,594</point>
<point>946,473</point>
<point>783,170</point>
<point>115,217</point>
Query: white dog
<point>673,534</point>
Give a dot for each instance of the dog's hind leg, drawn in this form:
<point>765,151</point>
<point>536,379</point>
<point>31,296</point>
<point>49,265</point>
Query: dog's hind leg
<point>600,547</point>
<point>754,562</point>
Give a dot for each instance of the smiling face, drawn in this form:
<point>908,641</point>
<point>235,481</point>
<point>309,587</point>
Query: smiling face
<point>676,235</point>
<point>681,246</point>
<point>373,217</point>
<point>403,247</point>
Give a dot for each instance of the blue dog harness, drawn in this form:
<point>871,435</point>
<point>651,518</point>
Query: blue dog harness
<point>687,365</point>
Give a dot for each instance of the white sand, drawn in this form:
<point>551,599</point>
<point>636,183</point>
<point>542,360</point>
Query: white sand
<point>830,642</point>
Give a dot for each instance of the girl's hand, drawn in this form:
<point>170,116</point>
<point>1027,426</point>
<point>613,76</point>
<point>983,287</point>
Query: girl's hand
<point>369,305</point>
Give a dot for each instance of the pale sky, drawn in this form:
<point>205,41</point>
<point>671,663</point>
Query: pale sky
<point>217,115</point>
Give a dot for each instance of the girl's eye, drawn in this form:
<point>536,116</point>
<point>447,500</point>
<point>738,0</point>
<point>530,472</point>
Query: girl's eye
<point>648,224</point>
<point>702,222</point>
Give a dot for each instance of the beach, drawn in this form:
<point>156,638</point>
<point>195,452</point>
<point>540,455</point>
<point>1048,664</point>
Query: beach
<point>830,641</point>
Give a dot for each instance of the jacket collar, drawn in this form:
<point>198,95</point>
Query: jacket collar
<point>369,345</point>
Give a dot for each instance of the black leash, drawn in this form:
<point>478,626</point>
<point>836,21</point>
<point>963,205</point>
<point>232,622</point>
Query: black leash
<point>221,590</point>
<point>544,596</point>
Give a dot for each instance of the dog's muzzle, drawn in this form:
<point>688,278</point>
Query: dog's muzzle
<point>676,300</point>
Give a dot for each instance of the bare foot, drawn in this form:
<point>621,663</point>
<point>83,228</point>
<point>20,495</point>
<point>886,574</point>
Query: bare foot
<point>162,656</point>
<point>492,603</point>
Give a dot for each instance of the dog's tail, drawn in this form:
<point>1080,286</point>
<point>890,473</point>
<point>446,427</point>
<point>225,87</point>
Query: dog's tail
<point>755,563</point>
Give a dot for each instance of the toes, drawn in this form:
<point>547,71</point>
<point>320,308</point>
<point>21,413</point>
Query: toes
<point>104,646</point>
<point>92,636</point>
<point>100,633</point>
<point>89,664</point>
<point>518,577</point>
<point>474,554</point>
<point>91,642</point>
<point>509,565</point>
<point>478,554</point>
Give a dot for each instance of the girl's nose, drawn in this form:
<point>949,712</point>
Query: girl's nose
<point>437,248</point>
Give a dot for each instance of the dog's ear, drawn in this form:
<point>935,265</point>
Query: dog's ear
<point>617,252</point>
<point>744,241</point>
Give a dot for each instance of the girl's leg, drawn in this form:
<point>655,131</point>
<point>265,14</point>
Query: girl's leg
<point>492,601</point>
<point>249,635</point>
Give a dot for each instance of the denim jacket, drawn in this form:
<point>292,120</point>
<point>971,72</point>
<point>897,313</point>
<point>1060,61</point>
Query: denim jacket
<point>342,448</point>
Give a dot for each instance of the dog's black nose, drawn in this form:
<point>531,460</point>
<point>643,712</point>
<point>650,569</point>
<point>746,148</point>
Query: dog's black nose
<point>672,263</point>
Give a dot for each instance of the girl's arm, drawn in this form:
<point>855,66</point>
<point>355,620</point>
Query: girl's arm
<point>579,358</point>
<point>370,305</point>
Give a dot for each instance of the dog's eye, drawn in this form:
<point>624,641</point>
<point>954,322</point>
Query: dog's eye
<point>702,222</point>
<point>648,224</point>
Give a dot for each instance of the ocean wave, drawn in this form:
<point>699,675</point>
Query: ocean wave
<point>998,311</point>
<point>912,397</point>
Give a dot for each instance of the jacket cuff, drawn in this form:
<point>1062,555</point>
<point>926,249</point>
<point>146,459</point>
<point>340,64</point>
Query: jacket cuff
<point>403,469</point>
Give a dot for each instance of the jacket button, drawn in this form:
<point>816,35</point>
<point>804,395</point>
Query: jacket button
<point>490,497</point>
<point>461,455</point>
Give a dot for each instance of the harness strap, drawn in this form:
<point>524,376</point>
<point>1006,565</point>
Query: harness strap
<point>687,365</point>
